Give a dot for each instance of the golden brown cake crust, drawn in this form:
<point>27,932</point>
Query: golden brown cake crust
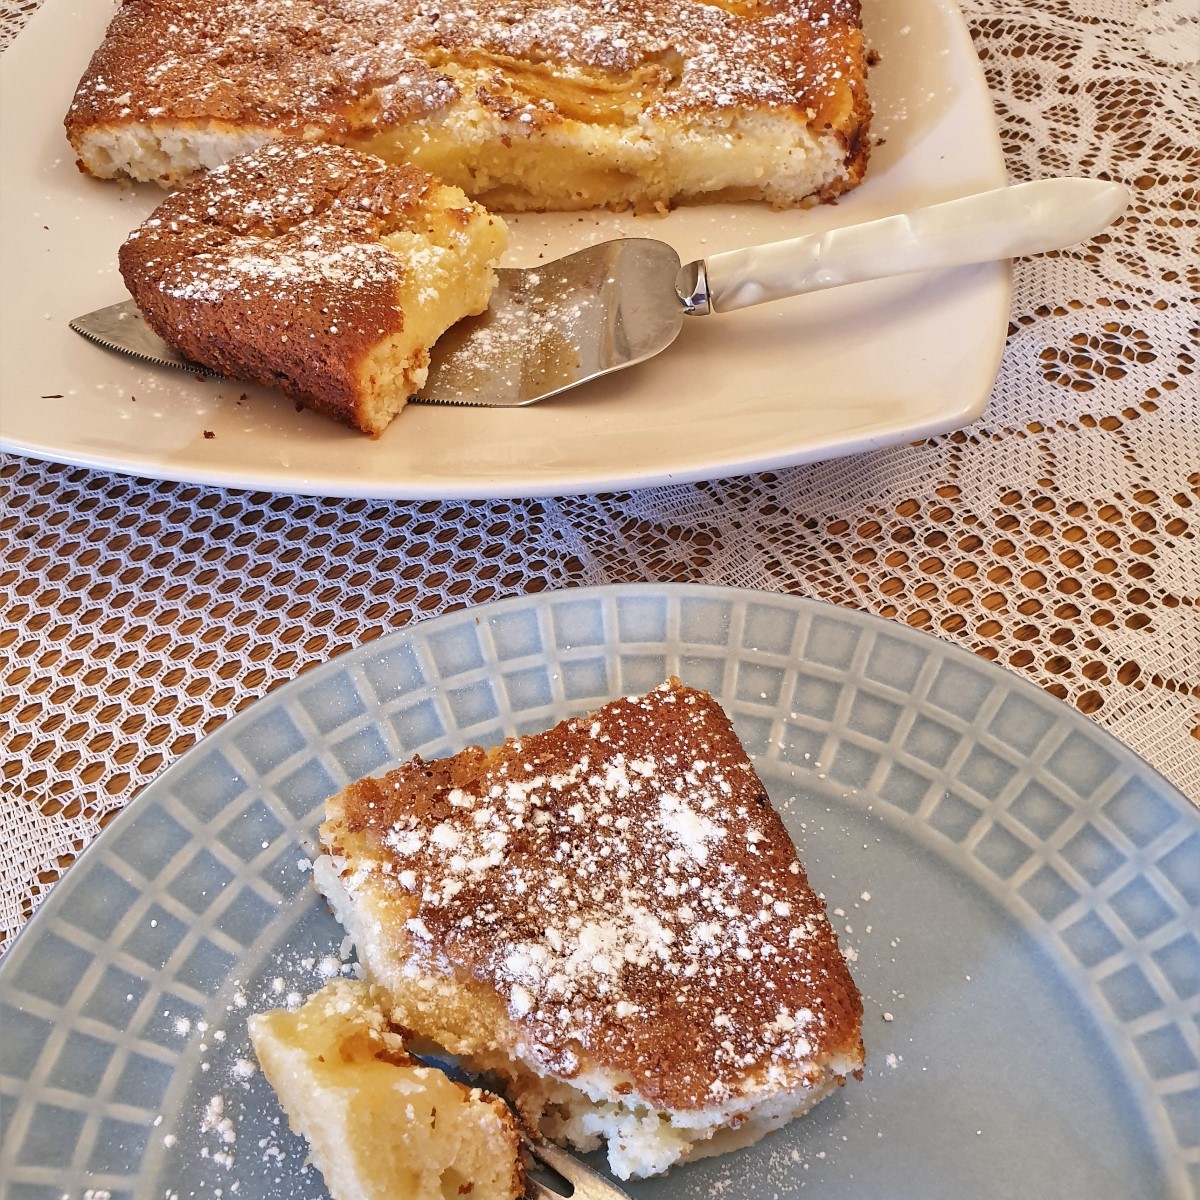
<point>287,67</point>
<point>343,69</point>
<point>625,885</point>
<point>271,269</point>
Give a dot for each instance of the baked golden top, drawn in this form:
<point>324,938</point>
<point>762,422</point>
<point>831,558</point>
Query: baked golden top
<point>340,68</point>
<point>625,885</point>
<point>288,235</point>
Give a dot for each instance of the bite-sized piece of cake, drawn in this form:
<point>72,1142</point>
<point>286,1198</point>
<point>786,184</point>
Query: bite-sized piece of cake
<point>379,1123</point>
<point>529,105</point>
<point>609,915</point>
<point>317,270</point>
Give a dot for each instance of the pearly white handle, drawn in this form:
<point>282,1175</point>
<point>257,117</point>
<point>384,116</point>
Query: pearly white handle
<point>1029,218</point>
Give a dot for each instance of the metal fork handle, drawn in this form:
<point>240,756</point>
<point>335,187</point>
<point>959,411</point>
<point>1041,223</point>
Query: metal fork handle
<point>586,1183</point>
<point>539,1191</point>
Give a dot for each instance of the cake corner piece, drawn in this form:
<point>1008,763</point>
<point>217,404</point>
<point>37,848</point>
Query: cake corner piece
<point>317,270</point>
<point>609,916</point>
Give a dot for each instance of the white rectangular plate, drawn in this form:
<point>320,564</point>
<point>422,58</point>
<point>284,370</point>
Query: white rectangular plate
<point>816,377</point>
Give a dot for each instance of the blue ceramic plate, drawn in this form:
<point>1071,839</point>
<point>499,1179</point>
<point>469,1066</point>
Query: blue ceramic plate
<point>1017,891</point>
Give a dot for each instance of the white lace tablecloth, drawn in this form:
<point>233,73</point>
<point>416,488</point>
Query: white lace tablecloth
<point>1059,536</point>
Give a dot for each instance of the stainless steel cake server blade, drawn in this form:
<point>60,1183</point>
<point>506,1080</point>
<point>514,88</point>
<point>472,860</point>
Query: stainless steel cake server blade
<point>121,327</point>
<point>609,306</point>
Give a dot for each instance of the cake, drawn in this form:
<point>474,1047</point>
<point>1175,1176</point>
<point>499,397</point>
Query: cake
<point>315,269</point>
<point>608,918</point>
<point>524,104</point>
<point>379,1123</point>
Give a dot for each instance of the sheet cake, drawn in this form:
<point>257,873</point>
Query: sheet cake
<point>525,104</point>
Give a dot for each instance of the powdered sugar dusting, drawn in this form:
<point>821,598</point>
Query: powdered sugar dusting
<point>241,265</point>
<point>690,830</point>
<point>290,230</point>
<point>224,1137</point>
<point>338,68</point>
<point>626,886</point>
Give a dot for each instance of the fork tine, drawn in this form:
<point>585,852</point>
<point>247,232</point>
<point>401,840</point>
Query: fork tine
<point>587,1184</point>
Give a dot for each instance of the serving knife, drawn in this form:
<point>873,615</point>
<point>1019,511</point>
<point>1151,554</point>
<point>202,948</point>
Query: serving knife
<point>609,306</point>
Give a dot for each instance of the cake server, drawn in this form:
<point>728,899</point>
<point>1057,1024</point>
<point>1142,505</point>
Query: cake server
<point>615,304</point>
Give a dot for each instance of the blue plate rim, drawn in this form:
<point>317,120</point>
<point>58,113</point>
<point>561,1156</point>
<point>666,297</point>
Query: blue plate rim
<point>1117,1037</point>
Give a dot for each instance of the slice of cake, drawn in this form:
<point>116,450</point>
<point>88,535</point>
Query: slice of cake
<point>525,104</point>
<point>317,270</point>
<point>380,1124</point>
<point>609,916</point>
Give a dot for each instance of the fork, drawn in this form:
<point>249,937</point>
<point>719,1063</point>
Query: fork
<point>586,1184</point>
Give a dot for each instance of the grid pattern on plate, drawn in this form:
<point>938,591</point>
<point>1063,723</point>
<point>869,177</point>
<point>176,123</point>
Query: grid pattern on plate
<point>1067,831</point>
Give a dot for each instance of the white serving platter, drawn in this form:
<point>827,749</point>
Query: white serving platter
<point>816,377</point>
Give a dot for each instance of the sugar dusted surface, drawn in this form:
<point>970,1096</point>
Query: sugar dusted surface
<point>624,883</point>
<point>286,228</point>
<point>299,265</point>
<point>346,66</point>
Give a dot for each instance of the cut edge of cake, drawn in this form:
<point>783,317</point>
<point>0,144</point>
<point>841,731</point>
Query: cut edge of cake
<point>379,1122</point>
<point>757,99</point>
